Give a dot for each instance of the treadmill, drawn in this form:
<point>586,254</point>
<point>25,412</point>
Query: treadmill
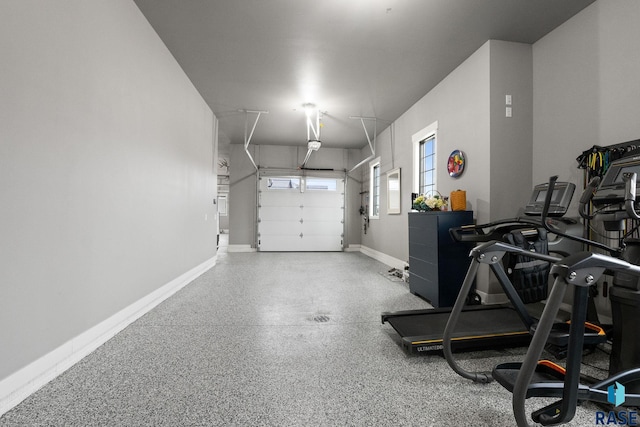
<point>479,327</point>
<point>489,326</point>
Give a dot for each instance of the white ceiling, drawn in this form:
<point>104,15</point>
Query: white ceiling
<point>372,58</point>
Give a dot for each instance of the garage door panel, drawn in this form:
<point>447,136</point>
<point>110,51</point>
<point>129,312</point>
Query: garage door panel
<point>281,244</point>
<point>281,198</point>
<point>323,198</point>
<point>277,213</point>
<point>275,228</point>
<point>323,214</point>
<point>321,243</point>
<point>320,228</point>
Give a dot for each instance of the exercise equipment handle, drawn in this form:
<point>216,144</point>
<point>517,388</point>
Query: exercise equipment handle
<point>587,195</point>
<point>549,228</point>
<point>547,199</point>
<point>490,231</point>
<point>630,194</point>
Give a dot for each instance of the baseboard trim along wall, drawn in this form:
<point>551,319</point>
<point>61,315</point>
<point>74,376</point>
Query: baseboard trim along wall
<point>240,248</point>
<point>18,386</point>
<point>382,257</point>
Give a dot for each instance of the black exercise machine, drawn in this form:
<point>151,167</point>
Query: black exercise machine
<point>534,378</point>
<point>491,326</point>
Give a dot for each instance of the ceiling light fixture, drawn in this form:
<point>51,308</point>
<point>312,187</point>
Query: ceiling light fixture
<point>309,109</point>
<point>314,145</point>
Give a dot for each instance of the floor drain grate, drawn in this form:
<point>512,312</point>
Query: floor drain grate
<point>321,318</point>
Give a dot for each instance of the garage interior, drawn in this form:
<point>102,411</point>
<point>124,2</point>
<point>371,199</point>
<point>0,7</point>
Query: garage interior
<point>203,201</point>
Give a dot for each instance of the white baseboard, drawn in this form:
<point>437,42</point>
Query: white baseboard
<point>240,248</point>
<point>19,385</point>
<point>352,248</point>
<point>382,257</point>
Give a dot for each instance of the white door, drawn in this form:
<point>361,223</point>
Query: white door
<point>300,214</point>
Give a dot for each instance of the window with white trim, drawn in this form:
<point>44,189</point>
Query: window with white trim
<point>424,160</point>
<point>426,179</point>
<point>322,184</point>
<point>374,188</point>
<point>283,183</point>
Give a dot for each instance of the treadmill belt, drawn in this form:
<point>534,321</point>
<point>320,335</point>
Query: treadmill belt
<point>476,329</point>
<point>470,323</point>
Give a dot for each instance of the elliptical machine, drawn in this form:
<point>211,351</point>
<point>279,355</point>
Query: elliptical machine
<point>491,253</point>
<point>534,378</point>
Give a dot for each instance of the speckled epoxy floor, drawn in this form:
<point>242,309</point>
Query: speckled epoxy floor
<point>274,339</point>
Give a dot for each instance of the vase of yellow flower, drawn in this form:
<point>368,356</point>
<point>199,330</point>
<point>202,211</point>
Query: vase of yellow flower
<point>432,201</point>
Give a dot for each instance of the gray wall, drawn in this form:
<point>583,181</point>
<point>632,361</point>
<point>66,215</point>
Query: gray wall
<point>470,110</point>
<point>586,87</point>
<point>511,137</point>
<point>586,91</point>
<point>106,170</point>
<point>461,96</point>
<point>242,197</point>
<point>388,233</point>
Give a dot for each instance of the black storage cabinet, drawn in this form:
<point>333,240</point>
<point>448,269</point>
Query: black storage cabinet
<point>437,263</point>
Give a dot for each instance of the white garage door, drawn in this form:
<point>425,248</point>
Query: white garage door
<point>300,214</point>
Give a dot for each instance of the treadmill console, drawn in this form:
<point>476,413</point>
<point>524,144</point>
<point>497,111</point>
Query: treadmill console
<point>562,194</point>
<point>611,189</point>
